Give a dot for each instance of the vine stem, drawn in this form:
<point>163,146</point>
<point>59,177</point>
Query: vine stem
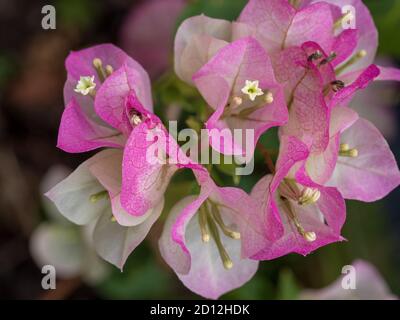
<point>267,157</point>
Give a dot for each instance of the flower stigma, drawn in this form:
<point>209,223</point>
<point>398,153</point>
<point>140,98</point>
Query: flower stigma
<point>85,86</point>
<point>252,89</point>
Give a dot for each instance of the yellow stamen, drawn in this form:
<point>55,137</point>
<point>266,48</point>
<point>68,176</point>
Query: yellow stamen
<point>98,196</point>
<point>309,236</point>
<point>205,236</point>
<point>346,151</point>
<point>236,102</point>
<point>309,196</point>
<point>355,58</point>
<point>226,260</point>
<point>347,16</point>
<point>98,65</point>
<point>351,153</point>
<point>344,147</point>
<point>268,97</point>
<point>227,231</point>
<point>109,70</point>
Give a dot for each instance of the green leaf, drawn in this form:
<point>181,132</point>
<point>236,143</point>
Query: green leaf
<point>141,279</point>
<point>387,18</point>
<point>77,13</point>
<point>287,286</point>
<point>221,9</point>
<point>7,69</point>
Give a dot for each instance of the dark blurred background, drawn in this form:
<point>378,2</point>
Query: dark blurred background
<point>32,76</point>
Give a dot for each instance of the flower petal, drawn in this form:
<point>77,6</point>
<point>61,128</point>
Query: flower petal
<point>80,63</point>
<point>218,80</point>
<point>308,112</point>
<point>72,195</point>
<point>320,165</point>
<point>144,181</point>
<point>277,25</point>
<point>206,275</point>
<point>110,103</point>
<point>114,243</point>
<point>346,94</point>
<point>344,45</point>
<point>373,173</point>
<point>109,173</point>
<point>59,246</point>
<point>389,74</point>
<point>175,254</point>
<point>330,206</point>
<point>178,229</point>
<point>292,152</point>
<point>366,29</point>
<point>197,40</point>
<point>79,133</point>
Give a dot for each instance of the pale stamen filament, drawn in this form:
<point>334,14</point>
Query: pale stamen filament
<point>205,236</point>
<point>98,66</point>
<point>226,260</point>
<point>98,196</point>
<point>233,108</point>
<point>347,16</point>
<point>210,223</point>
<point>218,219</point>
<point>355,58</point>
<point>309,236</point>
<point>289,189</point>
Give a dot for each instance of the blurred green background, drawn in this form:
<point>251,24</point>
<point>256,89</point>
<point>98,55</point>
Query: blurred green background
<point>31,79</point>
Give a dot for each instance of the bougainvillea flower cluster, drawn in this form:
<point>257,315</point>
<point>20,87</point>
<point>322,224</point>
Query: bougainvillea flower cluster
<point>284,63</point>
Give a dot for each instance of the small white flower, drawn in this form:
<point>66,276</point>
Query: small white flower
<point>252,90</point>
<point>85,85</point>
